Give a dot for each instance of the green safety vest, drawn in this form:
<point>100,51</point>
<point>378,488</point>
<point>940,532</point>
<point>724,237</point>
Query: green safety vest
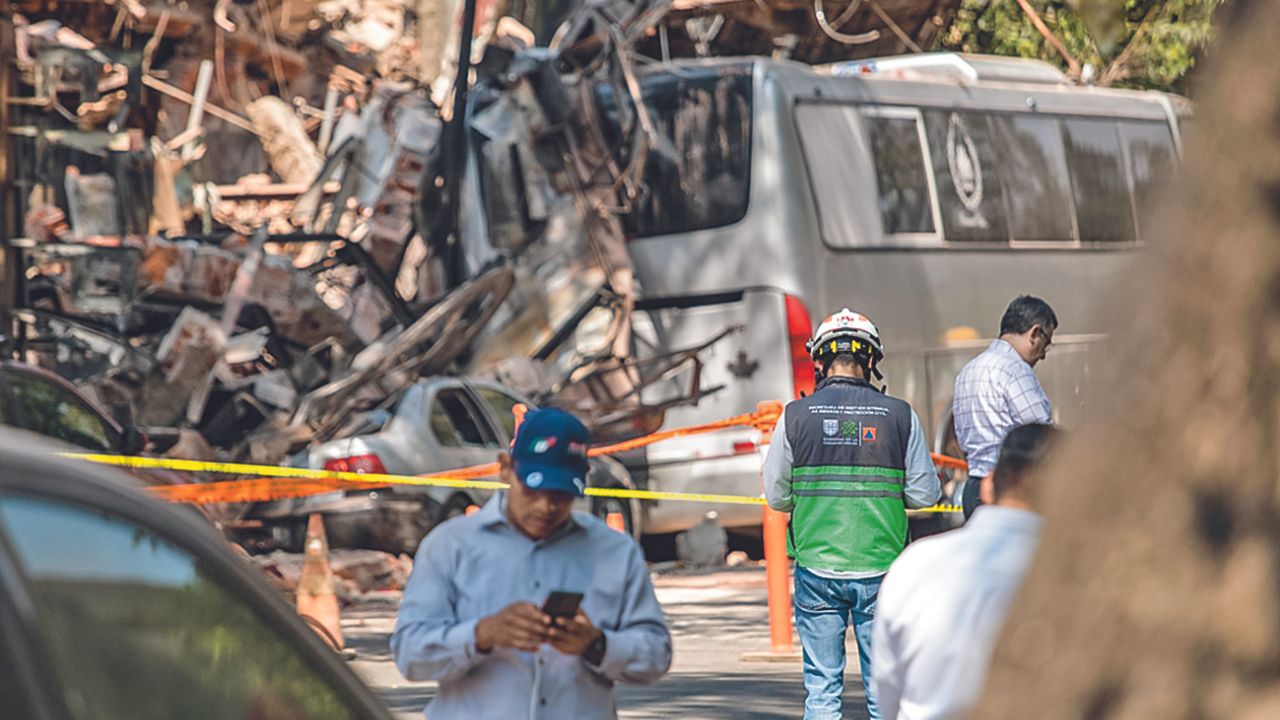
<point>849,446</point>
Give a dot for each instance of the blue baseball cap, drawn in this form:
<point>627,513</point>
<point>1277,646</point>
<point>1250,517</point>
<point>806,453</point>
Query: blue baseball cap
<point>550,452</point>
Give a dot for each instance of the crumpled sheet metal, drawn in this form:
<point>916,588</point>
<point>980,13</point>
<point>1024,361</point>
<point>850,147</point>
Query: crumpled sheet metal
<point>387,367</point>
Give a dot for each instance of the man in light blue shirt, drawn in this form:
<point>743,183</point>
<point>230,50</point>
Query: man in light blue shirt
<point>998,390</point>
<point>471,620</point>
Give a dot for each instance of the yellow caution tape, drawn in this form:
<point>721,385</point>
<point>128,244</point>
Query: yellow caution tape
<point>937,509</point>
<point>686,497</point>
<point>274,483</point>
<point>271,471</point>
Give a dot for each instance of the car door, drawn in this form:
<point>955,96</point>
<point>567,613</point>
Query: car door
<point>135,613</point>
<point>462,433</point>
<point>499,404</point>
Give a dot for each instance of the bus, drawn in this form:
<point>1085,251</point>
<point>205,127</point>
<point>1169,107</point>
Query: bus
<point>924,191</point>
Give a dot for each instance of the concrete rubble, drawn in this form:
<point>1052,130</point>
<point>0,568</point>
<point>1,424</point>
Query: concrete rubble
<point>358,574</point>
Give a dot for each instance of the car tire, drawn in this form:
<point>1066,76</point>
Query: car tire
<point>288,534</point>
<point>410,529</point>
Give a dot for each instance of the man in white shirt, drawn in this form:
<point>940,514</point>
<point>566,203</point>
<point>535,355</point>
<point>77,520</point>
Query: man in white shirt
<point>998,390</point>
<point>944,599</point>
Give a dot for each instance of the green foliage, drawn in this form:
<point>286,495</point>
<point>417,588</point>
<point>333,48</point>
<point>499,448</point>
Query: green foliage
<point>1159,42</point>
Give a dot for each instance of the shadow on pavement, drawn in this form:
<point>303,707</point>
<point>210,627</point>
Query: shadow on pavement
<point>406,699</point>
<point>736,695</point>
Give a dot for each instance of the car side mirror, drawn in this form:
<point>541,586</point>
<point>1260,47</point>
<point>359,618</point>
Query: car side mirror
<point>134,441</point>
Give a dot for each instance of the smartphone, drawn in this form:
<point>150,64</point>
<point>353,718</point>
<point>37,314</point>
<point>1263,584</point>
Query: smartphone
<point>562,604</point>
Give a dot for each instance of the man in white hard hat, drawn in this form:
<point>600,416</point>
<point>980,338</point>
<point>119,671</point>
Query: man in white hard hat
<point>846,462</point>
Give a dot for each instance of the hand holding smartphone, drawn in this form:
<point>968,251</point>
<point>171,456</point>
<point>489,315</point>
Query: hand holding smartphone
<point>562,604</point>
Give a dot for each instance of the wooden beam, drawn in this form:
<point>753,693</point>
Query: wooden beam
<point>186,97</point>
<point>285,191</point>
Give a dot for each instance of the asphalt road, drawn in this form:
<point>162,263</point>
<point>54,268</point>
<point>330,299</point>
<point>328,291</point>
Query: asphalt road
<point>715,619</point>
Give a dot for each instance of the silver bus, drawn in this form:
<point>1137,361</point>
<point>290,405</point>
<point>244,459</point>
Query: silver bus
<point>924,191</point>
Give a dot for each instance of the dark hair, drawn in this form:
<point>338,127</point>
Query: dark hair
<point>861,359</point>
<point>1025,311</point>
<point>1023,448</point>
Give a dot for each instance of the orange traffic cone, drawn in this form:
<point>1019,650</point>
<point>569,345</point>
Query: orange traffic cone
<point>317,604</point>
<point>615,522</point>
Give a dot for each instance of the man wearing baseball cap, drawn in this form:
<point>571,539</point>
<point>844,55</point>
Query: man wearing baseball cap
<point>471,615</point>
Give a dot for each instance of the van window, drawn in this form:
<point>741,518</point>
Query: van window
<point>1152,159</point>
<point>1033,166</point>
<point>968,181</point>
<point>702,179</point>
<point>902,178</point>
<point>830,137</point>
<point>1104,212</point>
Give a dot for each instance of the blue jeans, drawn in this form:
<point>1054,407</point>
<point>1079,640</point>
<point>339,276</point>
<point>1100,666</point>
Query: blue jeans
<point>823,610</point>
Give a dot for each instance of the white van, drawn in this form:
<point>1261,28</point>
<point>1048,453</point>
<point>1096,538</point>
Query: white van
<point>924,191</point>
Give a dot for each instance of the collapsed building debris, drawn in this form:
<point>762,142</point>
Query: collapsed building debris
<point>248,226</point>
<point>262,337</point>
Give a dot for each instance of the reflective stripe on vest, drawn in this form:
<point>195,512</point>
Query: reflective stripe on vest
<point>849,529</point>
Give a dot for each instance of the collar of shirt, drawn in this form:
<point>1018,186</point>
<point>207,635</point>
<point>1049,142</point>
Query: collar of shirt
<point>1000,346</point>
<point>1004,520</point>
<point>494,513</point>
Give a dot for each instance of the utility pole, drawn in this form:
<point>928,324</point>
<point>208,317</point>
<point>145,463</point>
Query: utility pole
<point>443,233</point>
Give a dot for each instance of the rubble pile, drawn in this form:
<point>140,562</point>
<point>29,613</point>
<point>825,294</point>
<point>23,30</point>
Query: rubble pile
<point>358,574</point>
<point>259,247</point>
<point>254,222</point>
<point>219,208</point>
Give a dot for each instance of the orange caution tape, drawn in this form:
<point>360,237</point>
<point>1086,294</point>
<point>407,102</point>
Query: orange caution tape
<point>947,461</point>
<point>763,419</point>
<point>302,483</point>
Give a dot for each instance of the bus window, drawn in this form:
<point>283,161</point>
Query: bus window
<point>902,178</point>
<point>964,167</point>
<point>705,113</point>
<point>1033,166</point>
<point>1104,212</point>
<point>830,137</point>
<point>1152,159</point>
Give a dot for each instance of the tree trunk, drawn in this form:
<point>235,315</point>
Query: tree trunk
<point>1156,592</point>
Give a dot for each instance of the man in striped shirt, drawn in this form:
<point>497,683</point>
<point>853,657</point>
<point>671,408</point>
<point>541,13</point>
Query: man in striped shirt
<point>998,390</point>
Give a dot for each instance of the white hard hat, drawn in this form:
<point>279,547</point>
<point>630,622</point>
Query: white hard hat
<point>846,332</point>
